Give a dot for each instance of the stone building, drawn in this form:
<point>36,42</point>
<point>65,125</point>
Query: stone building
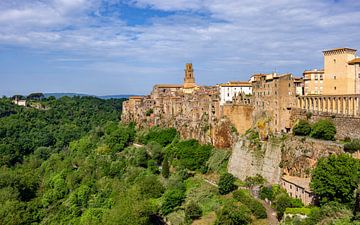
<point>230,89</point>
<point>298,187</point>
<point>193,110</point>
<point>273,97</point>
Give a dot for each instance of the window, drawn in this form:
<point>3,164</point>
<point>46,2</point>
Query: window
<point>334,60</point>
<point>321,77</point>
<point>290,186</point>
<point>334,88</point>
<point>359,75</point>
<point>334,77</point>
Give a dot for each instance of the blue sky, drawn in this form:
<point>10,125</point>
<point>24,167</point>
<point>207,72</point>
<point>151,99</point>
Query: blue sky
<point>126,46</point>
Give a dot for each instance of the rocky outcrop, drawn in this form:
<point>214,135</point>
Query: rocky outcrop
<point>249,159</point>
<point>295,156</point>
<point>300,154</point>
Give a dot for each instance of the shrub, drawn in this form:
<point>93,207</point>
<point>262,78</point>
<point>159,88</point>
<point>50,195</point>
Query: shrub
<point>323,129</point>
<point>233,214</point>
<point>255,180</point>
<point>255,206</point>
<point>193,211</point>
<point>266,193</point>
<point>172,199</point>
<point>302,128</point>
<point>352,146</point>
<point>302,211</point>
<point>226,183</point>
<point>150,187</point>
<point>218,160</point>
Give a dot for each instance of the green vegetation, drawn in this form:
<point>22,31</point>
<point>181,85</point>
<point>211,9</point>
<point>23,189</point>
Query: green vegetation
<point>352,146</point>
<point>226,183</point>
<point>190,154</point>
<point>322,129</point>
<point>302,128</point>
<point>255,206</point>
<point>336,178</point>
<point>335,181</point>
<point>232,213</point>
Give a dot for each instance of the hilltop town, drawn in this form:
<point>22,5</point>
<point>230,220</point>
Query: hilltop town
<point>272,104</point>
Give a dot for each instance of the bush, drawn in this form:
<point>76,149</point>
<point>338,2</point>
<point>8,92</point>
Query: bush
<point>193,211</point>
<point>150,187</point>
<point>302,128</point>
<point>233,214</point>
<point>172,199</point>
<point>226,183</point>
<point>352,146</point>
<point>323,129</point>
<point>255,206</point>
<point>266,193</point>
<point>218,160</point>
<point>302,211</point>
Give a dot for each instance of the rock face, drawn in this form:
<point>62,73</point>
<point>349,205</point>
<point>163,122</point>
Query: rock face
<point>300,154</point>
<point>295,156</point>
<point>248,160</point>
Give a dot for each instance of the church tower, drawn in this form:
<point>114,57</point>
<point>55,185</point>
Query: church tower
<point>189,80</point>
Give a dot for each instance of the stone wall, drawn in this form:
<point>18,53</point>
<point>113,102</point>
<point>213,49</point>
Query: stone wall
<point>346,126</point>
<point>240,116</point>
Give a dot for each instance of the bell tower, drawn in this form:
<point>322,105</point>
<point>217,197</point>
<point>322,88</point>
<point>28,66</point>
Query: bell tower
<point>189,80</point>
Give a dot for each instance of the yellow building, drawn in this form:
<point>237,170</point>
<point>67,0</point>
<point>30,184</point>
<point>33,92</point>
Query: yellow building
<point>340,75</point>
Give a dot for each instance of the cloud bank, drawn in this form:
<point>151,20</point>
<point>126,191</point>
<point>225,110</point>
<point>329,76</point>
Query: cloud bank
<point>142,42</point>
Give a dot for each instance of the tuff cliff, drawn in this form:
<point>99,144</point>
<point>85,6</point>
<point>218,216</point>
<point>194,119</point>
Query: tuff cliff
<point>295,156</point>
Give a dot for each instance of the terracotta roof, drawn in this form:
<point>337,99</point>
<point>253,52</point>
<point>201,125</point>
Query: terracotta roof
<point>168,86</point>
<point>354,61</point>
<point>337,49</point>
<point>299,181</point>
<point>236,84</point>
<point>313,71</point>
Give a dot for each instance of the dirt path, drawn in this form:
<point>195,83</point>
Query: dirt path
<point>270,213</point>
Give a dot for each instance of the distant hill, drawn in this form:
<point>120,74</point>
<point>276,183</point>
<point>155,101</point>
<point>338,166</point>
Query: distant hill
<point>59,95</point>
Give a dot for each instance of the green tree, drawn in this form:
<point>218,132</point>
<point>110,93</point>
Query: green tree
<point>172,199</point>
<point>323,129</point>
<point>226,183</point>
<point>233,214</point>
<point>165,172</point>
<point>302,128</point>
<point>336,178</point>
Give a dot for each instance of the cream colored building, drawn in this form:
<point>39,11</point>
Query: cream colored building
<point>341,74</point>
<point>233,88</point>
<point>313,82</point>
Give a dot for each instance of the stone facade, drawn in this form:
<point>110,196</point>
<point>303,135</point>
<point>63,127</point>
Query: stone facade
<point>298,187</point>
<point>273,97</point>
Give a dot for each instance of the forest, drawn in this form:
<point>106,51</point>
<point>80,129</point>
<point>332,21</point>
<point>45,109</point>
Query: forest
<point>72,161</point>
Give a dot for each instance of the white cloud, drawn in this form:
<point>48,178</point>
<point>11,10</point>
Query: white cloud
<point>227,37</point>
